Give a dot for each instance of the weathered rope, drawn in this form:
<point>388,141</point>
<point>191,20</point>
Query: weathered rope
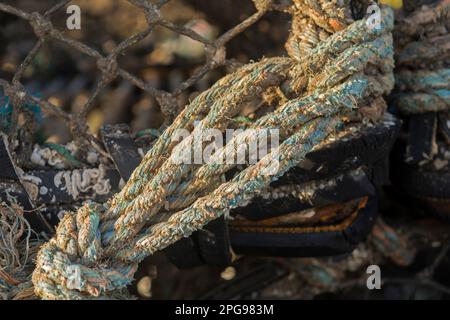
<point>423,60</point>
<point>313,22</point>
<point>96,250</point>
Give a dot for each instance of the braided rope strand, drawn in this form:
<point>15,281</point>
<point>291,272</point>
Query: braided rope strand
<point>96,250</point>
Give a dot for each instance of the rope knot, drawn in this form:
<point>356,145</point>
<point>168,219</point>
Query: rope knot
<point>42,26</point>
<point>71,264</point>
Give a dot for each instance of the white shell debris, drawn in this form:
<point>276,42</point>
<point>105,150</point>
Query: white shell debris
<point>32,179</point>
<point>92,157</point>
<point>47,156</point>
<point>43,190</point>
<point>82,180</point>
<point>36,157</point>
<point>73,182</point>
<point>44,156</point>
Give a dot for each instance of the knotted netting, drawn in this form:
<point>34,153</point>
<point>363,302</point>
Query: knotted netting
<point>335,65</point>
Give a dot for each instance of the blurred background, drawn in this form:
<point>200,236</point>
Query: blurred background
<point>164,59</point>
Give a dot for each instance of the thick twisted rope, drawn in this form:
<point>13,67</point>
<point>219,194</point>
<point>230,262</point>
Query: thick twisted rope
<point>423,59</point>
<point>96,250</point>
<point>313,22</point>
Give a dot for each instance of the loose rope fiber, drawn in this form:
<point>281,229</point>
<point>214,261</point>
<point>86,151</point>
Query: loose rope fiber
<point>17,250</point>
<point>96,250</point>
